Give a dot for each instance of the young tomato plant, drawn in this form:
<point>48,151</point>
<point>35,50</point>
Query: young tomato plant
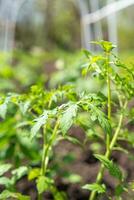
<point>120,86</point>
<point>55,121</point>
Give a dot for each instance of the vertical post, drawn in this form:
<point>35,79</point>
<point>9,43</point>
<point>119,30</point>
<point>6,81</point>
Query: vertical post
<point>8,17</point>
<point>86,36</point>
<point>94,4</point>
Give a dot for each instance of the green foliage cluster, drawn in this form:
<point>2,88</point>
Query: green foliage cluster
<point>33,122</point>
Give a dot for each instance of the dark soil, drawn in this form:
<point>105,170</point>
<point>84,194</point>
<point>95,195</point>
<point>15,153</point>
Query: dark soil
<point>85,165</point>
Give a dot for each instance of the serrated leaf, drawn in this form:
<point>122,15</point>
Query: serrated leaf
<point>24,106</point>
<point>39,122</point>
<point>34,173</point>
<point>96,113</point>
<point>104,122</point>
<point>4,168</point>
<point>43,184</point>
<point>95,187</point>
<point>113,169</point>
<point>93,103</point>
<point>68,117</point>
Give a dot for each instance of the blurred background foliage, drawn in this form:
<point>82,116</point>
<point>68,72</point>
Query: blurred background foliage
<point>52,24</point>
<point>48,46</point>
<point>56,24</point>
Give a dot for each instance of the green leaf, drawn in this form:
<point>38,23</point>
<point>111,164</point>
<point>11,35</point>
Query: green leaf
<point>105,45</point>
<point>74,178</point>
<point>3,107</point>
<point>94,103</point>
<point>118,63</point>
<point>39,122</point>
<point>4,168</point>
<point>3,110</point>
<point>59,195</point>
<point>119,190</point>
<point>24,106</point>
<point>43,184</point>
<point>68,158</point>
<point>96,113</point>
<point>113,169</point>
<point>87,53</point>
<point>19,172</point>
<point>68,117</point>
<point>7,194</point>
<point>5,181</point>
<point>95,187</point>
<point>22,197</point>
<point>118,148</point>
<point>73,140</point>
<point>85,71</point>
<point>131,185</point>
<point>34,173</point>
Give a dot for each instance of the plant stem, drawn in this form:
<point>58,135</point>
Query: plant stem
<point>45,156</point>
<point>109,96</point>
<point>46,149</point>
<point>40,197</point>
<point>114,139</point>
<point>108,153</point>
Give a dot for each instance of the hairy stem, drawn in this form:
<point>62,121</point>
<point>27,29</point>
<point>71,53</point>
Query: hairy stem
<point>108,154</point>
<point>109,97</point>
<point>45,154</point>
